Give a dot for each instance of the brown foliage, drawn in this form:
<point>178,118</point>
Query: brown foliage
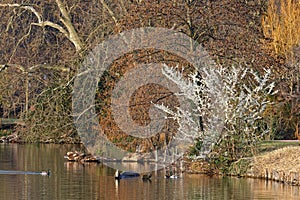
<point>140,101</point>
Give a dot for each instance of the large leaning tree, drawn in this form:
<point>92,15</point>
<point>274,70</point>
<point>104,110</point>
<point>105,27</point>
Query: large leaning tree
<point>42,43</point>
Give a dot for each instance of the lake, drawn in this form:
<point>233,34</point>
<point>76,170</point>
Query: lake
<point>71,180</point>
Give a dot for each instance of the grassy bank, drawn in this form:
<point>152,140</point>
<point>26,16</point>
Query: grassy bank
<point>242,166</point>
<point>277,161</point>
<point>281,165</point>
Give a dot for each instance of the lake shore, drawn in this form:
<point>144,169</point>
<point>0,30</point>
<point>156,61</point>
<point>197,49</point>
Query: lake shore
<point>281,165</point>
<point>277,161</point>
<point>64,139</point>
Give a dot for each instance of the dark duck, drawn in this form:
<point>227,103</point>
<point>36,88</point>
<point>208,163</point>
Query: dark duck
<point>125,175</point>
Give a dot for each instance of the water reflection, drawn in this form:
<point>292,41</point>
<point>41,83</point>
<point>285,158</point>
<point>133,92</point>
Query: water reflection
<point>71,180</point>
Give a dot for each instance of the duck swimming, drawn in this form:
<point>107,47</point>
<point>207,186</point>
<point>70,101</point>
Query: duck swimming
<point>147,176</point>
<point>125,175</point>
<point>46,173</point>
<point>171,175</point>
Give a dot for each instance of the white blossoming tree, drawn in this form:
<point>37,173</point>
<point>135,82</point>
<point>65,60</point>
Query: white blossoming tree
<point>228,104</point>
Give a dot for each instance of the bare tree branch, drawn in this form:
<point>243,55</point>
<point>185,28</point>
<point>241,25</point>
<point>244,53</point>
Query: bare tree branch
<point>31,69</point>
<point>26,7</point>
<point>53,25</point>
<point>70,33</point>
<point>73,36</point>
<point>111,13</point>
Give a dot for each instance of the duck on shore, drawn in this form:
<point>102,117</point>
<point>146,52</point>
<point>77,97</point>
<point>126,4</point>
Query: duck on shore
<point>125,175</point>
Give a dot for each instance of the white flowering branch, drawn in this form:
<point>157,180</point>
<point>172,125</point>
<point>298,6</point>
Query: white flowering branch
<point>224,102</point>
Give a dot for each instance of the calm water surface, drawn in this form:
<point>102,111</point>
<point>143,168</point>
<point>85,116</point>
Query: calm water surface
<point>96,181</point>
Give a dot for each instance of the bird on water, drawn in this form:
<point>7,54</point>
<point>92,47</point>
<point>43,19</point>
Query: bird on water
<point>46,173</point>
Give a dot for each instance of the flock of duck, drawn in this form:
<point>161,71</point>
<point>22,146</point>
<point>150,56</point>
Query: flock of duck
<point>82,157</point>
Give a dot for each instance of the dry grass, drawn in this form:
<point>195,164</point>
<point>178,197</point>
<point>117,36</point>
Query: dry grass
<point>282,25</point>
<point>282,159</point>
